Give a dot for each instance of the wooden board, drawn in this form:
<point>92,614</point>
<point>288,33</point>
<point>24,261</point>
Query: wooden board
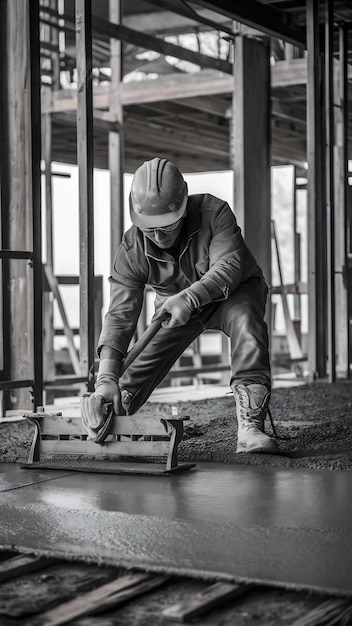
<point>109,467</point>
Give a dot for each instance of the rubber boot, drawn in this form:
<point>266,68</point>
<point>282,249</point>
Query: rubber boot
<point>251,406</point>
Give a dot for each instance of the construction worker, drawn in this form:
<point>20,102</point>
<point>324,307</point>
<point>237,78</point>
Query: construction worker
<point>190,250</point>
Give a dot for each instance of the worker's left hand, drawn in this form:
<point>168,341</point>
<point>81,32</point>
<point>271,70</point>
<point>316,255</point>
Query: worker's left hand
<point>179,307</point>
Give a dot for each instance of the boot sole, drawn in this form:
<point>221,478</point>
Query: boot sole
<point>272,449</point>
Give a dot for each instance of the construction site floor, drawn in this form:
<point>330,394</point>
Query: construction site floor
<point>283,521</point>
<point>282,527</point>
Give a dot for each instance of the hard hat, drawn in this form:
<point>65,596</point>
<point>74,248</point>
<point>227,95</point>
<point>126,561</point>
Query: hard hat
<point>158,195</point>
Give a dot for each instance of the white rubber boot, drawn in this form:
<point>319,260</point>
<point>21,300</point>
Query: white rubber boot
<point>251,406</point>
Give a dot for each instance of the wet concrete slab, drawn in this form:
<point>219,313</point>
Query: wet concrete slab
<point>12,477</point>
<point>292,528</point>
<point>215,492</point>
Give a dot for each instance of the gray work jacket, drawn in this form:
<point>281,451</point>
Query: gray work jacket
<point>212,246</point>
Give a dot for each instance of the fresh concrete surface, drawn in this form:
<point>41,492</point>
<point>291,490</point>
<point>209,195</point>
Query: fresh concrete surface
<point>12,477</point>
<point>291,528</point>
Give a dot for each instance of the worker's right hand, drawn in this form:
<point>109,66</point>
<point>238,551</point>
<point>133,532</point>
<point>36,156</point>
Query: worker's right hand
<point>92,405</point>
<point>106,391</point>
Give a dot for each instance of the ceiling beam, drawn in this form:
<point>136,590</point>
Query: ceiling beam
<point>175,86</point>
<point>181,86</point>
<point>203,16</point>
<point>128,35</point>
<point>170,87</point>
<point>271,21</point>
<point>164,22</point>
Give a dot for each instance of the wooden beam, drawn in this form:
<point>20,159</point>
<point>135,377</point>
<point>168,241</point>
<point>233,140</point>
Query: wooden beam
<point>206,600</point>
<point>330,185</point>
<point>203,83</point>
<point>212,105</point>
<point>261,16</point>
<point>203,16</point>
<point>48,304</point>
<point>289,73</point>
<point>287,112</point>
<point>103,598</point>
<point>22,565</point>
<point>188,110</point>
<point>127,35</point>
<point>85,179</point>
<point>65,147</point>
<point>289,152</point>
<point>35,131</point>
<point>251,145</point>
<point>116,139</point>
<point>17,195</point>
<point>183,140</point>
<point>342,285</point>
<point>177,19</point>
<point>103,120</point>
<point>179,86</point>
<point>54,287</point>
<point>316,233</point>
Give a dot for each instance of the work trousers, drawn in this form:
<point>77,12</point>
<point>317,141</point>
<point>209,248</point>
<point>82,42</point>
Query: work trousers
<point>240,317</point>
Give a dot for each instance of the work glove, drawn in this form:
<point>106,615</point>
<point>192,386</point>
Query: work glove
<point>178,308</point>
<point>106,390</point>
<point>181,306</point>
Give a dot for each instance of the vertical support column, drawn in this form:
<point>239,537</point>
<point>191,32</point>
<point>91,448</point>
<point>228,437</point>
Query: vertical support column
<point>55,56</point>
<point>330,186</point>
<point>341,183</point>
<point>289,52</point>
<point>251,147</point>
<point>35,116</point>
<point>297,262</point>
<point>48,305</point>
<point>5,315</point>
<point>19,189</point>
<point>85,165</point>
<point>316,223</point>
<point>116,140</point>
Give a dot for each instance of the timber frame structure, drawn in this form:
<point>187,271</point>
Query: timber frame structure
<point>210,85</point>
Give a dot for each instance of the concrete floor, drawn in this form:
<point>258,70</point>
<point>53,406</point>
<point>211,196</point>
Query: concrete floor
<point>291,528</point>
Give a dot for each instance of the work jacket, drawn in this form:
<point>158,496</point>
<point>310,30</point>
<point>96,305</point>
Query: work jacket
<point>211,247</point>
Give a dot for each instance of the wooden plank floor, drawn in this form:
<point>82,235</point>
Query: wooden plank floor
<point>39,592</point>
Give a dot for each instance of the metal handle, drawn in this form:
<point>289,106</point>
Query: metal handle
<point>144,340</point>
<point>131,356</point>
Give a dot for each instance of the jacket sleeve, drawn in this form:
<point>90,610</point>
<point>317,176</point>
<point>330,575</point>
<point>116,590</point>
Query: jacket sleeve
<point>126,298</point>
<point>226,254</point>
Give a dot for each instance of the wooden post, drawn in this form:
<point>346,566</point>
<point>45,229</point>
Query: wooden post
<point>116,141</point>
<point>55,56</point>
<point>317,348</point>
<point>250,148</point>
<point>330,185</point>
<point>48,305</point>
<point>5,314</point>
<point>85,165</point>
<point>297,261</point>
<point>16,197</point>
<point>341,182</point>
<point>36,309</point>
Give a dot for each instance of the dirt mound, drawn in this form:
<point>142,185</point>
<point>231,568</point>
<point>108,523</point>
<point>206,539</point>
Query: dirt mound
<point>313,423</point>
